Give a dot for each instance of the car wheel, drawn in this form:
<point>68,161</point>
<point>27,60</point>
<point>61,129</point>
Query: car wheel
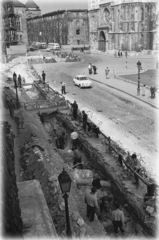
<point>80,86</point>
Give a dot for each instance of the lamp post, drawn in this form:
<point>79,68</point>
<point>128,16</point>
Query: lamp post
<point>15,84</point>
<point>138,85</point>
<point>65,185</point>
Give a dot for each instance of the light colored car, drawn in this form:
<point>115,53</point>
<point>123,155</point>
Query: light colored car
<point>48,50</point>
<point>54,46</point>
<point>82,81</point>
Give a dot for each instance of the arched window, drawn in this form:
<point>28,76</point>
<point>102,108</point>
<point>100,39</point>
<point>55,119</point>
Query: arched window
<point>106,15</point>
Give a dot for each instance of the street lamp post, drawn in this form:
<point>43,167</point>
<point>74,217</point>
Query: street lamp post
<point>65,185</point>
<point>138,85</point>
<point>15,84</point>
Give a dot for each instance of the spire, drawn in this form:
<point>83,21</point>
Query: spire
<point>31,4</point>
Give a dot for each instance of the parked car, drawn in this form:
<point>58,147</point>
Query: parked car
<point>48,49</point>
<point>54,46</point>
<point>82,81</point>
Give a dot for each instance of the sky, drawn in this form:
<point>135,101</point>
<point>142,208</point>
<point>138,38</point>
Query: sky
<point>54,5</point>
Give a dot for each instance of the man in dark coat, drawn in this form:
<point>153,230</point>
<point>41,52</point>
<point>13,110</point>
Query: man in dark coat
<point>19,81</point>
<point>43,76</point>
<point>61,141</point>
<point>84,120</point>
<point>74,110</point>
<point>15,79</point>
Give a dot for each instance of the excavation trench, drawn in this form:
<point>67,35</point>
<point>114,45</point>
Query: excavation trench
<point>93,160</point>
<point>97,164</point>
<point>43,161</point>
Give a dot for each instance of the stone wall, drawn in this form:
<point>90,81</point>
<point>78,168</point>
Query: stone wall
<point>78,29</point>
<point>60,27</point>
<point>11,213</point>
<point>42,162</point>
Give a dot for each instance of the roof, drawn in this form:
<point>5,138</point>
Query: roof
<point>16,3</point>
<point>31,4</point>
<point>53,13</point>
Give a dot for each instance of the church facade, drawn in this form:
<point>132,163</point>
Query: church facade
<point>123,25</point>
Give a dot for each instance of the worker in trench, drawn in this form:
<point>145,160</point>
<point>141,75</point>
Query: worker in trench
<point>77,159</point>
<point>60,141</point>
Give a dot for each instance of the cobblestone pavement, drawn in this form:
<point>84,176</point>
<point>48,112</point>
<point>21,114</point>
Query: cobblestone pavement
<point>128,121</point>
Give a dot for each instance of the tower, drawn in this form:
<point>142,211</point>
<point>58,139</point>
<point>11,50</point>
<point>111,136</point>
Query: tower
<point>32,9</point>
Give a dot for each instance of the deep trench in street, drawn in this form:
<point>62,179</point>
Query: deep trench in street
<point>98,162</point>
<point>52,122</point>
<point>95,165</point>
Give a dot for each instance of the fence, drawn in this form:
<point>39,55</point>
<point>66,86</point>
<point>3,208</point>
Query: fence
<point>151,187</point>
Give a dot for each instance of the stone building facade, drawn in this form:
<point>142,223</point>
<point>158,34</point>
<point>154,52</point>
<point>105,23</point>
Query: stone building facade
<point>21,23</point>
<point>64,27</point>
<point>123,25</point>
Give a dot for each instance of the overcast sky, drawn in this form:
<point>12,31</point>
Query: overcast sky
<point>54,5</point>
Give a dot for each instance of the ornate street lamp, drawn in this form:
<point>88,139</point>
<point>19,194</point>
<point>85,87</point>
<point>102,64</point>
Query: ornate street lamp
<point>65,185</point>
<point>138,86</point>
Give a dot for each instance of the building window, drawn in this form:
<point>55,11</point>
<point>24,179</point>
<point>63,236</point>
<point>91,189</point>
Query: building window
<point>17,23</point>
<point>77,31</point>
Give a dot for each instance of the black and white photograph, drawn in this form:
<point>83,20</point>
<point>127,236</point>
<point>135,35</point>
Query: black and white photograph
<point>79,119</point>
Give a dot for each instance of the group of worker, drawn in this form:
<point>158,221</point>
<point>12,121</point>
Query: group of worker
<point>105,203</point>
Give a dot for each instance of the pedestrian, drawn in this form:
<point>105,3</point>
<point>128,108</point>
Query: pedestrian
<point>143,90</point>
<point>95,69</point>
<point>121,54</point>
<point>43,77</point>
<point>75,110</point>
<point>19,81</point>
<point>63,88</point>
<point>14,76</point>
<point>11,108</point>
<point>92,203</point>
<point>90,68</point>
<point>23,80</point>
<point>152,91</point>
<point>126,54</point>
<point>95,130</point>
<point>107,73</point>
<point>118,219</point>
<point>114,72</point>
<point>118,53</point>
<point>61,141</point>
<point>84,119</point>
<point>15,79</point>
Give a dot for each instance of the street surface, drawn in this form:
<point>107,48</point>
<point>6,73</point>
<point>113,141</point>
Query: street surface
<point>127,120</point>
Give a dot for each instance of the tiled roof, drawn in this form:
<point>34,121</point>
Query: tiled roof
<point>16,3</point>
<point>31,4</point>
